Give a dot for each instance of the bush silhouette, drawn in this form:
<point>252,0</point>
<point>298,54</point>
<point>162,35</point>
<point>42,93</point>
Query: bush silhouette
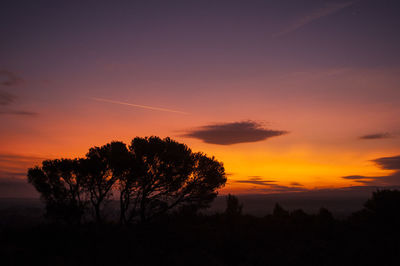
<point>280,212</point>
<point>384,206</point>
<point>233,206</point>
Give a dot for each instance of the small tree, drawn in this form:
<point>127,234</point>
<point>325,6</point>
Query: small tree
<point>61,186</point>
<point>385,206</point>
<point>325,216</point>
<point>280,212</point>
<point>233,206</point>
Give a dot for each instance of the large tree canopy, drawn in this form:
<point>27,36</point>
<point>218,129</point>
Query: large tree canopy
<point>169,174</point>
<point>152,176</point>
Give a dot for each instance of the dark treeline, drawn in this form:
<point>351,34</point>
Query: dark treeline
<point>159,222</point>
<point>370,236</point>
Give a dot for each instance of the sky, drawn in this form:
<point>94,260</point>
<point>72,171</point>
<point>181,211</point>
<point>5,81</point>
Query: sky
<point>289,95</point>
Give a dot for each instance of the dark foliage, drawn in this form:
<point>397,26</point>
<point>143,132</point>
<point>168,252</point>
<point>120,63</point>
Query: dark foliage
<point>294,238</point>
<point>62,188</point>
<point>169,175</point>
<point>233,206</point>
<point>151,177</point>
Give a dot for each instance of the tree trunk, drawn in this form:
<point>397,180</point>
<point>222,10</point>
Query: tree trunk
<point>122,202</point>
<point>97,212</point>
<point>143,211</point>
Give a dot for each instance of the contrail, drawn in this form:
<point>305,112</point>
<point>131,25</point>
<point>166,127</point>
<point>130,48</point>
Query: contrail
<point>139,106</point>
<point>320,13</point>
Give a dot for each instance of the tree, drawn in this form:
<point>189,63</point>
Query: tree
<point>61,186</point>
<point>233,206</point>
<point>152,177</point>
<point>325,216</point>
<point>103,167</point>
<point>279,211</point>
<point>169,175</point>
<point>385,206</point>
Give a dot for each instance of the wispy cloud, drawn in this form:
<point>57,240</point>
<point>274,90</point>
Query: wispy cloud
<point>328,9</point>
<point>19,174</point>
<point>6,98</point>
<point>18,157</point>
<point>8,78</point>
<point>18,112</point>
<point>233,133</point>
<point>139,106</point>
<point>376,136</point>
<point>356,177</point>
<point>271,186</point>
<point>386,163</point>
<point>256,181</point>
<point>296,184</point>
<point>275,188</point>
<point>280,188</point>
<point>16,165</point>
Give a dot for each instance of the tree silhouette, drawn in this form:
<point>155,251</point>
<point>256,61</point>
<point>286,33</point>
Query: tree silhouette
<point>61,186</point>
<point>324,215</point>
<point>152,177</point>
<point>279,211</point>
<point>103,167</point>
<point>233,206</point>
<point>385,206</point>
<point>168,175</point>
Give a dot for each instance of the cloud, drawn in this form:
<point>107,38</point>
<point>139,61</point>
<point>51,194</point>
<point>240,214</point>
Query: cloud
<point>13,174</point>
<point>6,98</point>
<point>18,112</point>
<point>380,181</point>
<point>18,157</point>
<point>327,10</point>
<point>281,188</point>
<point>274,188</point>
<point>139,106</point>
<point>8,78</point>
<point>256,180</point>
<point>233,133</point>
<point>376,136</point>
<point>16,165</point>
<point>355,177</point>
<point>270,185</point>
<point>386,163</point>
<point>295,184</point>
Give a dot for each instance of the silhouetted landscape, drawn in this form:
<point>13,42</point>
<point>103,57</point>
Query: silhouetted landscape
<point>367,237</point>
<point>150,203</point>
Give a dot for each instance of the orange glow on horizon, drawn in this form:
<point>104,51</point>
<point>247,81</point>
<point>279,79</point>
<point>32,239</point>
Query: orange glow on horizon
<point>307,168</point>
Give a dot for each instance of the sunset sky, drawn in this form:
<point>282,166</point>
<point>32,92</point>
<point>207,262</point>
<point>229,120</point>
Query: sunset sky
<point>289,95</point>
